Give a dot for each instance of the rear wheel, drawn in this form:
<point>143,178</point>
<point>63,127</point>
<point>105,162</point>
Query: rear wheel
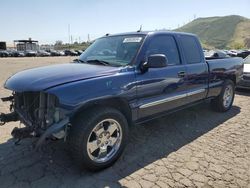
<point>97,139</point>
<point>224,101</point>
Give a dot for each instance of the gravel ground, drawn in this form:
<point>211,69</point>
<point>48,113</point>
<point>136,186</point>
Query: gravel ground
<point>195,147</point>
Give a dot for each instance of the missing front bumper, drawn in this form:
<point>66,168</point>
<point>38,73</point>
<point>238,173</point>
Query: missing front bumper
<point>28,132</point>
<point>55,128</point>
<point>39,113</point>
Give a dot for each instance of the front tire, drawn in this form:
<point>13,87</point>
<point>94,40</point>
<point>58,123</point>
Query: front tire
<point>224,101</point>
<point>98,138</point>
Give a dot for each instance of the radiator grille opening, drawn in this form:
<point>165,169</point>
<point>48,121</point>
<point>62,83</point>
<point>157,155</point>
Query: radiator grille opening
<point>36,109</point>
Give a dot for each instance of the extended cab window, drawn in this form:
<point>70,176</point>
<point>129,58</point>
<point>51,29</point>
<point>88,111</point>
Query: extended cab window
<point>191,49</point>
<point>164,45</point>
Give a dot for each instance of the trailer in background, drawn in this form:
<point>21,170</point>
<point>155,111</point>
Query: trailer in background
<point>3,46</point>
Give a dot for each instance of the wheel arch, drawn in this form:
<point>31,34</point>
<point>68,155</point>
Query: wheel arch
<point>117,103</point>
<point>232,77</point>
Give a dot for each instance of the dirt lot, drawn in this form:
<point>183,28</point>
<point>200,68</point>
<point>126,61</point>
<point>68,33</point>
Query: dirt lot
<point>192,148</point>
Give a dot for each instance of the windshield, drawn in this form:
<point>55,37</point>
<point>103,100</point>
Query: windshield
<point>115,50</point>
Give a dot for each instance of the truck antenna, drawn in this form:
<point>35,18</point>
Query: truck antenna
<point>140,29</point>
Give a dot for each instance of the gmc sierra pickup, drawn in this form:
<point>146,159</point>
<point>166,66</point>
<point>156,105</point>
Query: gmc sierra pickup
<point>119,81</point>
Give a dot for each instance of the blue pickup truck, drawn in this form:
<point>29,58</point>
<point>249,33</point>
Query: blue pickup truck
<point>119,81</point>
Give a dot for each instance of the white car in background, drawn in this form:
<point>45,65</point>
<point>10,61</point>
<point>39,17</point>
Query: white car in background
<point>245,80</point>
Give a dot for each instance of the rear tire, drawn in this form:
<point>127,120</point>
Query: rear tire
<point>97,138</point>
<point>224,101</point>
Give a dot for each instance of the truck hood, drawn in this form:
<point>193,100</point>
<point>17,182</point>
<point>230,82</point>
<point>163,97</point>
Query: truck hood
<point>42,78</point>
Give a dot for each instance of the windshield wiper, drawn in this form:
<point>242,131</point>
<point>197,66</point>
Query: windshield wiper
<point>93,61</point>
<point>99,62</point>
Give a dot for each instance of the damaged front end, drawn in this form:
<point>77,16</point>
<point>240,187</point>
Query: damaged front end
<point>39,112</point>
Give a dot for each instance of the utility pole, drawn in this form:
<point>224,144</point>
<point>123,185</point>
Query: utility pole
<point>88,39</point>
<point>69,34</point>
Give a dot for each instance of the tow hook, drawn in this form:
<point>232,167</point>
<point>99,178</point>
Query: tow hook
<point>5,118</point>
<point>2,122</point>
<point>5,99</point>
<point>21,133</point>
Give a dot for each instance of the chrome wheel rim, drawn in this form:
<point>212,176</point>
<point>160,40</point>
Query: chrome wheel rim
<point>228,96</point>
<point>104,140</point>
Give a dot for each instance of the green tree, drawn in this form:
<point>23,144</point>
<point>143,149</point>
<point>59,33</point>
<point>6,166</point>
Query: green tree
<point>59,43</point>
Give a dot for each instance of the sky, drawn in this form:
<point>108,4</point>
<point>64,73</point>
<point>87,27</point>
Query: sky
<point>49,20</point>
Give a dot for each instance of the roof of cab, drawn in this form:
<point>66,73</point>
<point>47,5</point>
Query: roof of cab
<point>150,32</point>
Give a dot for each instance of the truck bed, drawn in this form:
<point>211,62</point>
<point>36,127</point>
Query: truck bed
<point>219,68</point>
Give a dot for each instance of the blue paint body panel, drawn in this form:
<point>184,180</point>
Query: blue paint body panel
<point>50,76</point>
<point>77,84</point>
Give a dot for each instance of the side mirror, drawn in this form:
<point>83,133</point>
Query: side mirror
<point>155,61</point>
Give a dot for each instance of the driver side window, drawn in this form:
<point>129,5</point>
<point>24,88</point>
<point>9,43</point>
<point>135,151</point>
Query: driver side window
<point>164,45</point>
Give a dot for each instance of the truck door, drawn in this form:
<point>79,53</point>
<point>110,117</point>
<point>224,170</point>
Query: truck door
<point>197,68</point>
<point>161,89</point>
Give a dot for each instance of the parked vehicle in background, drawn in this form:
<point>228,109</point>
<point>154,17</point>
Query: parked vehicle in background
<point>233,53</point>
<point>243,53</point>
<point>119,81</point>
<point>30,53</point>
<point>238,53</point>
<point>54,53</point>
<point>16,53</point>
<point>245,80</point>
<point>42,53</point>
<point>79,52</point>
<point>10,52</point>
<point>228,52</point>
<point>4,53</point>
<point>216,54</point>
<point>70,53</point>
<point>61,53</point>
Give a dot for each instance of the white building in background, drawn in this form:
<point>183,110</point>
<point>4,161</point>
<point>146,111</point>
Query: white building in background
<point>24,45</point>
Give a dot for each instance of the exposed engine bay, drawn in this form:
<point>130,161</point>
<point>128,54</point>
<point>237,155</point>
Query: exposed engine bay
<point>39,112</point>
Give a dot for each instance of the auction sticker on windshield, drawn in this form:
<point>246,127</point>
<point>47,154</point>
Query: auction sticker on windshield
<point>132,39</point>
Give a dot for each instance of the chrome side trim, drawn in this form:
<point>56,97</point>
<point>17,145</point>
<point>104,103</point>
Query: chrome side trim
<point>169,99</point>
<point>196,92</point>
<point>163,101</point>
